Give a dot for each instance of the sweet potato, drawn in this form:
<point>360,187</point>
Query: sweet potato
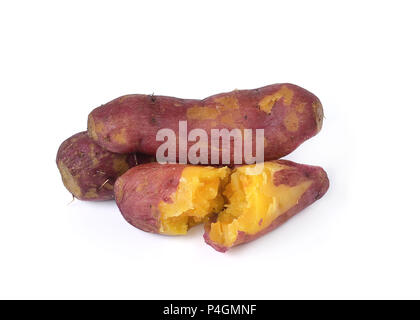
<point>89,171</point>
<point>288,114</point>
<point>257,204</point>
<point>170,198</point>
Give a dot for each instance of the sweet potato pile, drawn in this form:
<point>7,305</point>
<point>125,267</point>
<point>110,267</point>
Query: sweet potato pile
<point>236,203</point>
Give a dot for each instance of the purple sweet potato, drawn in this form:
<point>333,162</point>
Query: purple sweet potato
<point>257,204</point>
<point>89,171</point>
<point>236,206</point>
<point>170,198</point>
<point>288,114</point>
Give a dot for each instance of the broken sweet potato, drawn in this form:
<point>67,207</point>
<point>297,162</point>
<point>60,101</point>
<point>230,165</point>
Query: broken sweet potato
<point>259,203</point>
<point>236,206</point>
<point>170,198</point>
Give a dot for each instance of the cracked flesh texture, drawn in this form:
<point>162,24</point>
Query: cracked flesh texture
<point>256,204</point>
<point>236,205</point>
<point>169,199</point>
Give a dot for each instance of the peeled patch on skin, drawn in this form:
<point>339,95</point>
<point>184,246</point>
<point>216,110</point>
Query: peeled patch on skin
<point>95,130</point>
<point>89,171</point>
<point>120,137</point>
<point>202,113</point>
<point>288,114</point>
<point>319,115</point>
<point>120,164</point>
<point>300,107</point>
<point>91,194</point>
<point>291,121</point>
<point>267,103</point>
<point>228,101</point>
<point>69,181</point>
<point>257,204</point>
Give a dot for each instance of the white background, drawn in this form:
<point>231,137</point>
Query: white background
<point>361,58</point>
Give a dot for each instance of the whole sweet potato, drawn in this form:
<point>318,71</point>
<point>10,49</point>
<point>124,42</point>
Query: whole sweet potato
<point>89,171</point>
<point>170,198</point>
<point>288,114</point>
<point>259,203</point>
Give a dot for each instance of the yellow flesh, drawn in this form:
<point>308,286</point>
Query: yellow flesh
<point>198,194</point>
<point>254,202</point>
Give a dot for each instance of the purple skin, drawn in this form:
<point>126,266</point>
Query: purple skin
<point>139,191</point>
<point>88,171</point>
<point>130,123</point>
<point>297,174</point>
